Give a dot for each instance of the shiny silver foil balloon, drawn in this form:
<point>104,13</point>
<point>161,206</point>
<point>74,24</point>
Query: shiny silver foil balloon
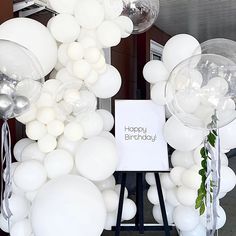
<point>6,106</point>
<point>7,85</point>
<point>22,104</point>
<point>143,13</point>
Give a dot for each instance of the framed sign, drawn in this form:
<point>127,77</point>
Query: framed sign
<point>139,136</point>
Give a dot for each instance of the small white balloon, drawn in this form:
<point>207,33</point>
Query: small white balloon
<point>186,196</point>
<point>171,197</point>
<point>75,51</point>
<point>158,93</point>
<point>28,116</point>
<point>113,8</point>
<point>200,230</point>
<point>85,9</point>
<point>63,57</point>
<point>64,28</point>
<point>65,77</point>
<point>47,143</point>
<point>156,211</point>
<point>92,78</point>
<point>183,159</point>
<point>88,42</point>
<point>129,209</point>
<point>153,196</point>
<point>176,175</point>
<point>92,55</point>
<point>228,179</point>
<point>91,156</point>
<point>32,152</point>
<point>109,34</point>
<point>45,100</point>
<point>108,135</point>
<point>108,183</point>
<point>81,68</point>
<point>110,220</point>
<point>108,119</point>
<point>125,24</point>
<point>35,130</point>
<point>166,181</point>
<point>45,115</point>
<point>118,189</point>
<point>55,128</point>
<point>30,196</point>
<point>58,162</point>
<point>111,199</point>
<point>30,175</point>
<point>20,146</point>
<point>52,85</point>
<point>21,228</point>
<point>155,71</point>
<point>73,131</point>
<point>150,178</point>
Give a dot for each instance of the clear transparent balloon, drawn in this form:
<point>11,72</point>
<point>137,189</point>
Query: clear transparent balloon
<point>143,13</point>
<point>219,46</point>
<point>21,77</point>
<point>201,91</point>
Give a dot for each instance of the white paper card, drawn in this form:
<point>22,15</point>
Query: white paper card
<point>139,136</point>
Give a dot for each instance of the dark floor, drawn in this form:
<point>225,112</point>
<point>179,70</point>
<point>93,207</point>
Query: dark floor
<point>228,203</point>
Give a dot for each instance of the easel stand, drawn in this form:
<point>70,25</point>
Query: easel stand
<point>139,225</point>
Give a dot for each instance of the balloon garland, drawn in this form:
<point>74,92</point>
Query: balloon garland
<point>62,182</point>
<point>184,71</point>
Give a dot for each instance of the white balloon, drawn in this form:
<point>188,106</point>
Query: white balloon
<point>176,175</point>
<point>20,146</point>
<point>64,28</point>
<point>113,8</point>
<point>4,224</point>
<point>52,85</point>
<point>153,196</point>
<point>35,130</point>
<point>31,195</point>
<point>63,57</point>
<point>81,69</point>
<point>28,116</point>
<point>111,199</point>
<point>92,55</point>
<point>51,216</point>
<point>99,66</point>
<point>30,175</point>
<point>108,119</point>
<point>129,209</point>
<point>63,6</point>
<point>47,143</point>
<point>200,230</point>
<point>58,162</point>
<point>71,96</point>
<point>55,127</point>
<point>228,179</point>
<point>158,93</point>
<point>19,207</point>
<point>155,71</point>
<point>32,152</point>
<point>88,42</point>
<point>75,51</point>
<point>118,189</point>
<point>183,159</point>
<point>171,197</point>
<point>108,183</point>
<point>185,218</point>
<point>186,196</point>
<point>45,115</point>
<point>228,136</point>
<point>219,84</point>
<point>73,131</point>
<point>21,228</point>
<point>91,156</point>
<point>109,34</point>
<point>177,49</point>
<point>108,135</point>
<point>91,123</point>
<point>191,178</point>
<point>108,83</point>
<point>156,211</point>
<point>110,220</point>
<point>92,78</point>
<point>45,100</point>
<point>125,24</point>
<point>166,181</point>
<point>35,37</point>
<point>85,9</point>
<point>65,77</point>
<point>69,146</point>
<point>184,138</point>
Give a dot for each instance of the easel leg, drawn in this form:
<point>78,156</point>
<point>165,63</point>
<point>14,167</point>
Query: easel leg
<point>121,202</point>
<point>162,205</point>
<point>140,207</point>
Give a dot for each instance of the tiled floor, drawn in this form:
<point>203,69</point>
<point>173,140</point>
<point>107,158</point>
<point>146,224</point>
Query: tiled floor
<point>228,203</point>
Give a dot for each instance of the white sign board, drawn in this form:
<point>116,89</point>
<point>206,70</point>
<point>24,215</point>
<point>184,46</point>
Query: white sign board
<point>139,136</point>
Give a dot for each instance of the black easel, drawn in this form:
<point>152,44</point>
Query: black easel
<point>139,225</point>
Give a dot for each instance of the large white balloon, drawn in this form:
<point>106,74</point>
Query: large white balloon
<point>156,211</point>
<point>64,28</point>
<point>200,230</point>
<point>21,228</point>
<point>155,71</point>
<point>58,162</point>
<point>108,183</point>
<point>63,6</point>
<point>126,25</point>
<point>183,138</point>
<point>47,143</point>
<point>111,199</point>
<point>85,9</point>
<point>91,156</point>
<point>108,83</point>
<point>35,130</point>
<point>32,152</point>
<point>177,49</point>
<point>184,159</point>
<point>113,8</point>
<point>35,37</point>
<point>20,146</point>
<point>185,218</point>
<point>30,175</point>
<point>68,205</point>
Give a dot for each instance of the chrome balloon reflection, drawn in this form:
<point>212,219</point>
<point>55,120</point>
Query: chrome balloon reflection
<point>143,13</point>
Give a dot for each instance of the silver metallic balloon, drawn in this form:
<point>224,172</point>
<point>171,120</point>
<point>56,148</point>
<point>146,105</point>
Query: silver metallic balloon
<point>22,104</point>
<point>6,106</point>
<point>7,86</point>
<point>143,13</point>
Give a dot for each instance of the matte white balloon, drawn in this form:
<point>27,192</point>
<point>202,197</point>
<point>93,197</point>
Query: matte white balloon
<point>228,136</point>
<point>155,71</point>
<point>156,211</point>
<point>113,8</point>
<point>118,189</point>
<point>183,159</point>
<point>171,197</point>
<point>51,86</point>
<point>73,131</point>
<point>85,9</point>
<point>55,128</point>
<point>45,99</point>
<point>30,196</point>
<point>153,196</point>
<point>63,56</point>
<point>64,76</point>
<point>111,200</point>
<point>20,146</point>
<point>63,6</point>
<point>186,196</point>
<point>21,228</point>
<point>108,83</point>
<point>110,220</point>
<point>92,55</point>
<point>150,178</point>
<point>30,175</point>
<point>108,183</point>
<point>91,156</point>
<point>108,119</point>
<point>51,216</point>
<point>75,51</point>
<point>166,181</point>
<point>81,69</point>
<point>32,152</point>
<point>4,224</point>
<point>109,34</point>
<point>47,143</point>
<point>108,135</point>
<point>35,37</point>
<point>158,93</point>
<point>125,24</point>
<point>45,115</point>
<point>228,179</point>
<point>35,130</point>
<point>58,162</point>
<point>176,175</point>
<point>200,230</point>
<point>129,209</point>
<point>92,78</point>
<point>28,116</point>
